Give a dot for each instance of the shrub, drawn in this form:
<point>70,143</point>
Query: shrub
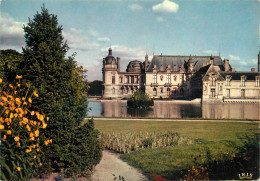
<point>140,100</point>
<point>21,132</point>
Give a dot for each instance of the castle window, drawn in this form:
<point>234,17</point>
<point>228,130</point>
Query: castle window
<point>228,81</point>
<point>154,91</point>
<point>220,89</point>
<point>243,81</point>
<point>154,78</point>
<point>113,80</point>
<point>136,79</point>
<point>257,81</point>
<point>161,90</point>
<point>175,68</point>
<point>121,79</point>
<point>213,81</point>
<point>242,93</point>
<point>168,91</point>
<point>168,80</point>
<point>132,79</point>
<point>228,93</point>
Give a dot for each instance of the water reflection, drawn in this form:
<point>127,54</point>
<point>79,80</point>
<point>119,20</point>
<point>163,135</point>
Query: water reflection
<point>231,111</point>
<point>178,110</point>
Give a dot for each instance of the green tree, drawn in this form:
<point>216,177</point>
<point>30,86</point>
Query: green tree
<point>140,100</point>
<point>9,61</point>
<point>62,96</point>
<point>95,87</point>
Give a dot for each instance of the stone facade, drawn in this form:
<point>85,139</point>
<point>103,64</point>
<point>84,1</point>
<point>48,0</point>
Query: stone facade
<point>179,77</point>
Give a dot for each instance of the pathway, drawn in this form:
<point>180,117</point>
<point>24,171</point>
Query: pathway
<point>111,168</point>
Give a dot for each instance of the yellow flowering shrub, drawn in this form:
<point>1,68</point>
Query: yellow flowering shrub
<point>20,127</point>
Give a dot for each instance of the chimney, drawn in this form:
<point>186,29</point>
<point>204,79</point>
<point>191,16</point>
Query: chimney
<point>226,65</point>
<point>118,63</point>
<point>252,69</point>
<point>233,69</point>
<point>146,61</point>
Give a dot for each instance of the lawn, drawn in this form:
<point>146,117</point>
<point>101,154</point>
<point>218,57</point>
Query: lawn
<point>208,144</point>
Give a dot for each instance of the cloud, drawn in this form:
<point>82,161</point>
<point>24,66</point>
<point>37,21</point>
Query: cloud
<point>233,57</point>
<point>11,32</point>
<point>77,41</point>
<point>135,7</point>
<point>160,19</point>
<point>210,52</point>
<point>166,7</point>
<point>103,39</point>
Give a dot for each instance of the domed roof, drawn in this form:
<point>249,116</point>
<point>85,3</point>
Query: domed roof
<point>109,58</point>
<point>134,66</point>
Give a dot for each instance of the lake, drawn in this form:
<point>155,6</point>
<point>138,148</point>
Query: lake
<point>170,109</point>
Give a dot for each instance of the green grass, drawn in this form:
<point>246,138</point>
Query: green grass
<point>170,161</point>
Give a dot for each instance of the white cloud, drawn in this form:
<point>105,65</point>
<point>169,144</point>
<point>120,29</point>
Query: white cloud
<point>103,39</point>
<point>233,57</point>
<point>135,7</point>
<point>210,52</point>
<point>11,32</point>
<point>77,41</point>
<point>160,19</point>
<point>166,7</point>
<point>93,33</point>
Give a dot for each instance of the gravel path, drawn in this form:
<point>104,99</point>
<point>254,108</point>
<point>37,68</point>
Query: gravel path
<point>112,168</point>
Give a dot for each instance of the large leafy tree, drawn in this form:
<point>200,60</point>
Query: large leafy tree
<point>62,96</point>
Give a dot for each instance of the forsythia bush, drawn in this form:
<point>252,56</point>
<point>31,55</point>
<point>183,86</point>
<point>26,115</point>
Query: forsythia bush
<point>21,139</point>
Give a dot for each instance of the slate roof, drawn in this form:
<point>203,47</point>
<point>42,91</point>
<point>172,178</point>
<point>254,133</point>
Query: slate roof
<point>237,75</point>
<point>162,61</point>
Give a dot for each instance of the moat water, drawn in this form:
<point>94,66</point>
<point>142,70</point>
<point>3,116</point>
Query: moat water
<point>178,110</point>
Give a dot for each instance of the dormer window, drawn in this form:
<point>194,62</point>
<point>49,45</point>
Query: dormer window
<point>175,78</point>
<point>257,81</point>
<point>228,78</point>
<point>243,81</point>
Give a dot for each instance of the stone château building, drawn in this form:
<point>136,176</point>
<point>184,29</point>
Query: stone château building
<point>180,77</point>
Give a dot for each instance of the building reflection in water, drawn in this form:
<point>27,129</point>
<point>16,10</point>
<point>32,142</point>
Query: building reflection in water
<point>231,111</point>
<point>177,110</point>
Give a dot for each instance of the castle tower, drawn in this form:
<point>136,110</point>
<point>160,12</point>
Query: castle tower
<point>110,71</point>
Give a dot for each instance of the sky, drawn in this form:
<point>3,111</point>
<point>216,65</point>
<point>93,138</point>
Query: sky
<point>132,28</point>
